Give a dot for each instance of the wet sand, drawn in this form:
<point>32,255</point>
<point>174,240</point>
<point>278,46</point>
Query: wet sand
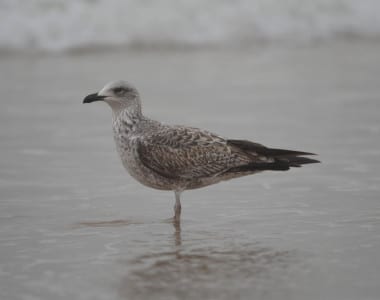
<point>74,225</point>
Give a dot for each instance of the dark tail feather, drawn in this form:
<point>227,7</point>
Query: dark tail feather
<point>298,161</point>
<point>253,167</point>
<point>283,153</point>
<point>282,164</point>
<point>262,150</point>
<point>283,159</point>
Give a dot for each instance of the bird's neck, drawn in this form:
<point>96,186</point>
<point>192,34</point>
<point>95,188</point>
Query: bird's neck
<point>119,109</point>
<point>126,120</point>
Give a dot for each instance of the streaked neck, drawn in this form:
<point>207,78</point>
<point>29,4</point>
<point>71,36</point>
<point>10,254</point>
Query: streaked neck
<point>119,110</point>
<point>125,119</point>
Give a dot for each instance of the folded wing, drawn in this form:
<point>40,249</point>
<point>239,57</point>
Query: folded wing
<point>190,153</point>
<point>187,153</point>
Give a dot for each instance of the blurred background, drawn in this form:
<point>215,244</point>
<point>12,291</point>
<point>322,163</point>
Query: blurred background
<point>58,25</point>
<point>295,74</point>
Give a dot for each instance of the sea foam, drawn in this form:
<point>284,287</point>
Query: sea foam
<point>56,25</point>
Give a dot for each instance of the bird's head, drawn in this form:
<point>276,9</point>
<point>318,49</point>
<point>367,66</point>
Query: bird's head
<point>120,95</point>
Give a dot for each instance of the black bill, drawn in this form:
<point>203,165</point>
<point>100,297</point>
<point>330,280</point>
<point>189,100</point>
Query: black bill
<point>92,98</point>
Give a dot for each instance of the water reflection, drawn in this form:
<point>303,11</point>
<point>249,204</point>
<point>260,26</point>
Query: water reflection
<point>177,234</point>
<point>110,223</point>
<point>204,269</point>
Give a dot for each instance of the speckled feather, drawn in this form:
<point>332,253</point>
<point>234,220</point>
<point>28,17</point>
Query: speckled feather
<point>188,153</point>
<point>178,157</point>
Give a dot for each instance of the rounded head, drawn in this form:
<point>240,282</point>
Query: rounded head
<point>119,90</point>
<point>119,95</point>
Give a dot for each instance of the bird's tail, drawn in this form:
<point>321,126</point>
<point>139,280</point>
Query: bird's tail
<point>298,161</point>
<point>282,159</point>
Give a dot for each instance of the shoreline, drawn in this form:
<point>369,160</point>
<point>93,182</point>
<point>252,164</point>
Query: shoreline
<point>262,45</point>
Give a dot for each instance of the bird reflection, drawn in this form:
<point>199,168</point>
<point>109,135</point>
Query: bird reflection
<point>204,263</point>
<point>193,269</point>
<point>177,233</point>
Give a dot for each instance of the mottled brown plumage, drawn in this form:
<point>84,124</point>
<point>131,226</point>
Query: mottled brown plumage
<point>188,153</point>
<point>179,158</point>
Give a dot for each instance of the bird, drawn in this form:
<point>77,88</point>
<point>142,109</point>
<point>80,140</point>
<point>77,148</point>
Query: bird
<point>179,158</point>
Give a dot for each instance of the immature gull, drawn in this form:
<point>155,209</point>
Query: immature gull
<point>179,158</point>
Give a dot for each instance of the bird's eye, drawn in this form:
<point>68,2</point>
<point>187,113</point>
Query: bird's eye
<point>119,90</point>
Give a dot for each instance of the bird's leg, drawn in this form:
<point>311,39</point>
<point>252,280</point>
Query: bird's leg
<point>177,207</point>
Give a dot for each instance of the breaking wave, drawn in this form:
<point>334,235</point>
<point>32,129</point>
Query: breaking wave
<point>57,25</point>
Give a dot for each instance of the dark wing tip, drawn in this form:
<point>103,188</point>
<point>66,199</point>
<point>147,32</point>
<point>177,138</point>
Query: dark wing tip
<point>249,146</point>
<point>298,161</point>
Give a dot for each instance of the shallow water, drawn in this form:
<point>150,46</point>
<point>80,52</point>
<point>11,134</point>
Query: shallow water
<point>74,225</point>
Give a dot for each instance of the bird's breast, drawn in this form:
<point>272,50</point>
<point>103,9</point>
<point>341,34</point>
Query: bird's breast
<point>127,148</point>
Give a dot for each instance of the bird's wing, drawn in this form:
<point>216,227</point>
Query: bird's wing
<point>187,153</point>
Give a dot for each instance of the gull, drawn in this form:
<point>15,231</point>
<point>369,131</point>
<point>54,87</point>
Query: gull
<point>179,158</point>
